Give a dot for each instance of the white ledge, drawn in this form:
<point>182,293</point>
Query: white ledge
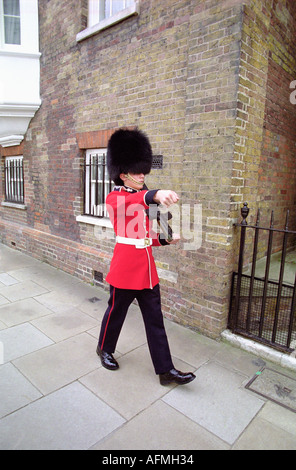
<point>120,16</point>
<point>100,221</point>
<point>11,140</point>
<point>21,53</point>
<point>14,122</point>
<point>19,109</point>
<point>14,205</point>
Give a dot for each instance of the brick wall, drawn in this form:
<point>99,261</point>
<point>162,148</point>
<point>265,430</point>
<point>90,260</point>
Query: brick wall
<point>278,164</point>
<point>266,120</point>
<point>199,77</point>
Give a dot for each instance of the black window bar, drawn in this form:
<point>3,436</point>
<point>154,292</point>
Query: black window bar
<point>97,185</point>
<point>14,180</point>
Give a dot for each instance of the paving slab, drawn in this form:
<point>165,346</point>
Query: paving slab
<point>94,304</point>
<point>78,294</point>
<point>44,275</point>
<point>72,418</point>
<point>187,346</point>
<point>63,325</point>
<point>21,340</point>
<point>222,406</point>
<point>15,391</point>
<point>61,363</point>
<point>22,311</point>
<point>238,360</point>
<point>132,387</point>
<point>7,280</point>
<point>263,435</point>
<point>279,416</point>
<point>3,300</point>
<point>22,290</point>
<point>11,259</point>
<point>56,301</point>
<point>176,431</point>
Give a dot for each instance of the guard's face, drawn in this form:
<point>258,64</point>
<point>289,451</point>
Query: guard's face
<point>133,180</point>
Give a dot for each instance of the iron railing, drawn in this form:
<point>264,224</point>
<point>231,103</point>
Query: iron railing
<point>261,308</point>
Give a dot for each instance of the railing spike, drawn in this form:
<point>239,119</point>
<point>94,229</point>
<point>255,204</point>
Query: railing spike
<point>272,219</point>
<point>258,217</point>
<point>287,220</point>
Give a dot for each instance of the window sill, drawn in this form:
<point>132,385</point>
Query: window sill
<point>14,205</point>
<point>104,24</point>
<point>20,53</point>
<point>101,222</point>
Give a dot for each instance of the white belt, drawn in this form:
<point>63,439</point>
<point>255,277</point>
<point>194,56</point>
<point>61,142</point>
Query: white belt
<point>137,242</point>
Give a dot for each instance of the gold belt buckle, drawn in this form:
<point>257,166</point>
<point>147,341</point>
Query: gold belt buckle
<point>146,241</point>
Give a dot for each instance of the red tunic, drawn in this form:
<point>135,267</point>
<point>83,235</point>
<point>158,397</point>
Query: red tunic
<point>131,267</point>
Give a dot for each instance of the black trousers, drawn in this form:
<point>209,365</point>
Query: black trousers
<point>150,306</point>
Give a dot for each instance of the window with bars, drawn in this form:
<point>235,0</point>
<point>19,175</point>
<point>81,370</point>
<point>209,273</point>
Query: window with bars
<point>14,180</point>
<point>97,183</point>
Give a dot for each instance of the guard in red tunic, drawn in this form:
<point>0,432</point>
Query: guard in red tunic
<point>133,273</point>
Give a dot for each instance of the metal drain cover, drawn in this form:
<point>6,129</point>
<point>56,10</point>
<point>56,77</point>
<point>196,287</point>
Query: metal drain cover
<point>275,386</point>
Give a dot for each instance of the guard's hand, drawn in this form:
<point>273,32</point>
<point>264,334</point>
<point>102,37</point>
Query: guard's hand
<point>166,197</point>
<point>175,240</point>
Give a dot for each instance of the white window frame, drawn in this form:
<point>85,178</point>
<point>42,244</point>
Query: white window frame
<point>2,27</point>
<point>14,181</point>
<point>97,20</point>
<point>95,214</point>
<point>99,10</point>
<point>29,33</point>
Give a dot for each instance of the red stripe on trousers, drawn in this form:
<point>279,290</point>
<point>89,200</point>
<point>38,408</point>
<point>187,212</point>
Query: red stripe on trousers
<point>108,320</point>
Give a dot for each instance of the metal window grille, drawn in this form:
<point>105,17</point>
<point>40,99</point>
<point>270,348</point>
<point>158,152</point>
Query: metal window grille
<point>14,180</point>
<point>97,184</point>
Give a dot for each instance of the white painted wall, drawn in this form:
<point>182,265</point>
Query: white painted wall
<point>19,77</point>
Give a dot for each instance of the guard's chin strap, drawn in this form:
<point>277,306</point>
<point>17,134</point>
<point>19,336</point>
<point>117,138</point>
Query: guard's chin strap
<point>129,177</point>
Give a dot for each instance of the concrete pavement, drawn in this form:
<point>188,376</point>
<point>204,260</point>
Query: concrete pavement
<point>54,393</point>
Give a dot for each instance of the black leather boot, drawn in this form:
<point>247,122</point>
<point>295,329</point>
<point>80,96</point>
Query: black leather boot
<point>107,360</point>
<point>180,378</point>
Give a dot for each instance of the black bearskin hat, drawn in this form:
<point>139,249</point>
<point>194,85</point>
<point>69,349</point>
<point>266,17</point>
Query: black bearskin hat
<point>128,151</point>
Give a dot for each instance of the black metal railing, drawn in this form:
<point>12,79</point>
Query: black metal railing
<point>261,308</point>
<point>14,180</point>
<point>97,185</point>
